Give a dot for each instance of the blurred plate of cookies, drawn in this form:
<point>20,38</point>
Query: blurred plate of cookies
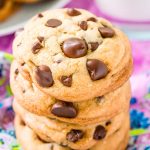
<point>14,13</point>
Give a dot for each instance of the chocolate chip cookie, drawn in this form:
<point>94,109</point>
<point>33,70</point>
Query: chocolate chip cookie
<point>84,112</point>
<point>73,55</point>
<point>33,142</point>
<point>71,135</point>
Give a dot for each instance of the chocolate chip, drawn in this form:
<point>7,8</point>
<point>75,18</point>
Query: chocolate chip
<point>73,12</point>
<point>99,99</point>
<point>52,147</point>
<point>96,68</point>
<point>40,15</point>
<point>36,47</point>
<point>99,133</point>
<point>92,19</point>
<point>64,109</point>
<point>43,76</point>
<point>94,45</point>
<point>74,135</point>
<point>53,23</point>
<point>40,38</point>
<point>83,25</point>
<point>16,71</point>
<point>23,63</point>
<point>66,80</point>
<point>22,123</point>
<point>74,47</point>
<point>2,2</point>
<point>23,91</point>
<point>108,123</point>
<point>106,32</point>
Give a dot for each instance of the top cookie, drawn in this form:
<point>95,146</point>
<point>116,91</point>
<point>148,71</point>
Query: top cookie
<point>74,55</point>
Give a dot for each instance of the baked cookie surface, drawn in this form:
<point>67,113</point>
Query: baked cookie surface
<point>74,55</point>
<point>83,112</point>
<point>71,135</point>
<point>33,142</point>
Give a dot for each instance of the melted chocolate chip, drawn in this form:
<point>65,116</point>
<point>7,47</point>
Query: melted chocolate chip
<point>16,71</point>
<point>106,32</point>
<point>22,123</point>
<point>22,64</point>
<point>74,135</point>
<point>96,68</point>
<point>64,109</point>
<point>99,99</point>
<point>52,146</point>
<point>40,38</point>
<point>40,15</point>
<point>43,76</point>
<point>92,19</point>
<point>73,12</point>
<point>74,47</point>
<point>108,123</point>
<point>100,133</point>
<point>36,47</point>
<point>53,23</point>
<point>66,80</point>
<point>23,91</point>
<point>94,45</point>
<point>83,25</point>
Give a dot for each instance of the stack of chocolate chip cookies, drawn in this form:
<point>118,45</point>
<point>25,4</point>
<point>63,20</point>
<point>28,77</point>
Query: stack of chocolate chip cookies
<point>70,79</point>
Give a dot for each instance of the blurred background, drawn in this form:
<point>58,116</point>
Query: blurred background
<point>132,16</point>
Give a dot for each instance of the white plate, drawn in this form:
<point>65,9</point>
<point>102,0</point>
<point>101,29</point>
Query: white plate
<point>19,18</point>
